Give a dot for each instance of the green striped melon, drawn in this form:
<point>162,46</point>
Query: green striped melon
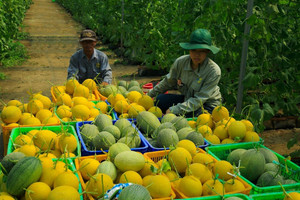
<point>27,171</point>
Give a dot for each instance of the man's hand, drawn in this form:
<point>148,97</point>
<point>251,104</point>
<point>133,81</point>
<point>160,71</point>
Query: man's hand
<point>104,83</point>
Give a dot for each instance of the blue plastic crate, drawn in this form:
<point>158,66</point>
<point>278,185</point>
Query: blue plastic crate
<point>86,152</point>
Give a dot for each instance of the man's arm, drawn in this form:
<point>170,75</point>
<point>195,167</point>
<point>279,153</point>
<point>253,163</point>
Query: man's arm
<point>73,68</point>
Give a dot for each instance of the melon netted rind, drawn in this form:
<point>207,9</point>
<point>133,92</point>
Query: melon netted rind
<point>115,149</point>
<point>147,122</point>
<point>103,140</point>
<point>182,133</point>
<point>88,132</point>
<point>196,138</point>
<point>122,123</point>
<point>114,130</point>
<point>167,137</point>
<point>168,117</point>
<point>269,155</point>
<point>269,179</point>
<point>102,121</point>
<point>235,156</point>
<point>108,167</point>
<point>134,191</point>
<point>180,122</point>
<point>252,164</point>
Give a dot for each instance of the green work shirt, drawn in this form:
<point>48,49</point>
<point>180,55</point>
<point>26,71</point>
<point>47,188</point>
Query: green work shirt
<point>198,86</point>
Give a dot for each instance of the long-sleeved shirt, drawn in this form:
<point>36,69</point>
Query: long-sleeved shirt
<point>82,68</point>
<point>198,86</point>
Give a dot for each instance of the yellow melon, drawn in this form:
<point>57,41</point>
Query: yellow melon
<point>11,114</point>
<point>70,85</point>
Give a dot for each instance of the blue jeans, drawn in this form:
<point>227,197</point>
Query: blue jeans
<point>165,101</point>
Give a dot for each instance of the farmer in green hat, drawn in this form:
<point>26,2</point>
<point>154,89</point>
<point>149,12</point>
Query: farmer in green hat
<point>195,76</point>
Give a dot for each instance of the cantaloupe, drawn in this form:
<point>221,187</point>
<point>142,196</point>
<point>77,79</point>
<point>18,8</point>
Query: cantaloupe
<point>252,164</point>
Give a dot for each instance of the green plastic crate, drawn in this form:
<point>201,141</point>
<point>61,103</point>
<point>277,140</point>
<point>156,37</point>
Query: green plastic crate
<point>222,151</point>
<point>56,129</point>
<point>73,123</point>
<point>270,196</point>
<point>72,167</point>
<point>242,196</point>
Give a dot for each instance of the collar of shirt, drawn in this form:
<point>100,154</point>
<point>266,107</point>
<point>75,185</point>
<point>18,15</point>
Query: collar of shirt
<point>189,68</point>
<point>93,56</point>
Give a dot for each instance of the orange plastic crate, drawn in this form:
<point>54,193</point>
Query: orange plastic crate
<point>101,158</point>
<point>158,155</point>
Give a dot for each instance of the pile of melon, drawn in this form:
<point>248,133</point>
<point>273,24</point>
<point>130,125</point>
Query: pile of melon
<point>27,177</point>
<point>103,133</point>
<point>260,166</point>
<point>168,131</point>
<point>46,142</point>
<point>195,173</point>
<point>220,128</point>
<point>121,165</point>
<point>64,93</point>
<point>128,103</point>
<point>37,111</point>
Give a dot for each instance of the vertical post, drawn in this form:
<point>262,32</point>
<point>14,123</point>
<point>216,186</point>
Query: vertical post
<point>244,58</point>
<point>122,30</point>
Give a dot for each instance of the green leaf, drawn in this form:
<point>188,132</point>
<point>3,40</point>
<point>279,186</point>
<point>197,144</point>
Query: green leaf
<point>292,142</point>
<point>268,111</point>
<point>251,80</point>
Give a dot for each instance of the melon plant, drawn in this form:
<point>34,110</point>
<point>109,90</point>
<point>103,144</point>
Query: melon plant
<point>27,171</point>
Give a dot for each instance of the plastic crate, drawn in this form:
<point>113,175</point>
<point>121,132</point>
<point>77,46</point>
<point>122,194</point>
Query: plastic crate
<point>158,155</point>
<point>101,158</point>
<point>73,123</point>
<point>56,129</point>
<point>6,132</point>
<point>152,148</point>
<point>86,152</point>
<point>97,94</point>
<point>269,196</point>
<point>72,167</point>
<point>221,153</point>
<point>241,196</point>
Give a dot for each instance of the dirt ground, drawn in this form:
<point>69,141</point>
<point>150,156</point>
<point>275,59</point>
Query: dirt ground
<point>53,38</point>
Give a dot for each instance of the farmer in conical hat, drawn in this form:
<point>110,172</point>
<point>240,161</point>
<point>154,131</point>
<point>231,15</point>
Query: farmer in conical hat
<point>195,76</point>
<point>88,62</point>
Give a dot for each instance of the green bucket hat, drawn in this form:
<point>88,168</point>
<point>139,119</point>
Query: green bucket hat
<point>200,39</point>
